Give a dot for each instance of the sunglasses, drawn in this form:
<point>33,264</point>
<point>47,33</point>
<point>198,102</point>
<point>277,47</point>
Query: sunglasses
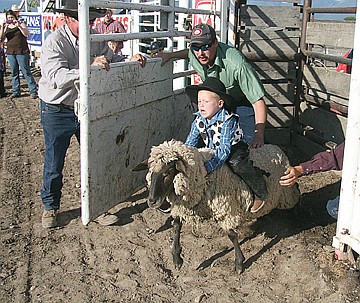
<point>202,47</point>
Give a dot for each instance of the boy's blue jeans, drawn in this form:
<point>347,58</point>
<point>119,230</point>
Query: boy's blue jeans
<point>59,125</point>
<point>22,61</point>
<point>247,122</point>
<point>242,166</point>
<point>332,207</point>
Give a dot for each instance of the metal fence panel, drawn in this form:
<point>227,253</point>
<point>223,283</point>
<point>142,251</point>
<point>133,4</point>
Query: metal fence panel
<point>130,109</point>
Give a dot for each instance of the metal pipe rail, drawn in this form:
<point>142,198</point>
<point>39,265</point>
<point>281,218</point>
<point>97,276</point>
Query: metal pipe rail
<point>149,7</point>
<point>184,73</point>
<point>304,52</point>
<point>146,8</point>
<point>327,57</point>
<point>310,10</point>
<point>129,36</point>
<point>327,104</point>
<point>331,10</point>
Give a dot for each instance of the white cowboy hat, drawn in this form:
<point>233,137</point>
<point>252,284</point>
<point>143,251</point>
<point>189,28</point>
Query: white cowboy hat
<point>15,8</point>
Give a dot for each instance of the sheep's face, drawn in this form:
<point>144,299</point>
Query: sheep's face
<point>161,183</point>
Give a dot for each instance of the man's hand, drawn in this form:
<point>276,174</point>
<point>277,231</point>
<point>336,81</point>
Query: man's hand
<point>260,111</point>
<point>166,57</point>
<point>101,61</point>
<point>140,58</point>
<point>258,140</point>
<point>291,175</point>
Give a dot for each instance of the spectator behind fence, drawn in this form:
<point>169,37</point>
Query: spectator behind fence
<point>211,58</point>
<point>110,26</point>
<point>18,53</point>
<point>16,10</point>
<point>115,46</point>
<point>57,91</point>
<point>2,71</point>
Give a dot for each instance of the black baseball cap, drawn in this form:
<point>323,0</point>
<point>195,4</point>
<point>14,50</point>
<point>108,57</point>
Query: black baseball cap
<point>202,34</point>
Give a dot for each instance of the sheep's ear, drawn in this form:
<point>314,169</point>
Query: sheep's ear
<point>180,166</point>
<point>141,166</point>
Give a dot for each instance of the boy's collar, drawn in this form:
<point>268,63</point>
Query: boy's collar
<point>219,116</point>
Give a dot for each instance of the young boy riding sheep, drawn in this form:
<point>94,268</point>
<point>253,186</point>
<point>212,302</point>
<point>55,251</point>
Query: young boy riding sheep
<point>218,128</point>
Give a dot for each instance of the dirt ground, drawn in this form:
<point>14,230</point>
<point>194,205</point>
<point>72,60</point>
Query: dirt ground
<point>289,257</point>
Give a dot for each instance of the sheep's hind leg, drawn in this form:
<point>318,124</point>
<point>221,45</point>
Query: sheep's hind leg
<point>176,248</point>
<point>239,257</point>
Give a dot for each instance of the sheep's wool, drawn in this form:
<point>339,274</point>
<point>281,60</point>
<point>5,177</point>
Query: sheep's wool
<point>221,196</point>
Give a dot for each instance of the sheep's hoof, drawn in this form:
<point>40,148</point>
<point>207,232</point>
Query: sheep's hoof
<point>239,268</point>
<point>178,263</point>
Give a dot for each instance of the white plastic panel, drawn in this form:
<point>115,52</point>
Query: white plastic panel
<point>348,227</point>
<point>130,109</point>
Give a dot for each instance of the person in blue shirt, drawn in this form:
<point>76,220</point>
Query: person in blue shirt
<point>217,127</point>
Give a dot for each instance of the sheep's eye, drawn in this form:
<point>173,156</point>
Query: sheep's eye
<point>169,172</point>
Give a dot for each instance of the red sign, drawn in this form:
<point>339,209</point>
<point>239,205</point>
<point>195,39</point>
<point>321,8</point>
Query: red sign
<point>209,5</point>
<point>123,19</point>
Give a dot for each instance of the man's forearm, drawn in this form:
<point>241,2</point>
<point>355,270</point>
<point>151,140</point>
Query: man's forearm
<point>166,57</point>
<point>260,116</point>
<point>182,54</point>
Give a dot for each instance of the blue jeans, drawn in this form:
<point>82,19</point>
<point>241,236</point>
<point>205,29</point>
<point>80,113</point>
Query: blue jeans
<point>59,125</point>
<point>2,86</point>
<point>247,122</point>
<point>332,207</point>
<point>22,61</point>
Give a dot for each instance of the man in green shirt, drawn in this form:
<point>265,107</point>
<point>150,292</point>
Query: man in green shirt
<point>211,58</point>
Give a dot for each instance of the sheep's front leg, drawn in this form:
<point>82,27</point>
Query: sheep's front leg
<point>176,248</point>
<point>239,257</point>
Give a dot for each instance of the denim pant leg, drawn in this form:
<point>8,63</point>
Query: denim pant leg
<point>247,122</point>
<point>24,63</point>
<point>2,86</point>
<point>242,166</point>
<point>59,126</point>
<point>15,75</point>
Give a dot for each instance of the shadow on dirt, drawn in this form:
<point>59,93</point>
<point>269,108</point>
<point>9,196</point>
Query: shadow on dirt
<point>125,214</point>
<point>65,217</point>
<point>280,224</point>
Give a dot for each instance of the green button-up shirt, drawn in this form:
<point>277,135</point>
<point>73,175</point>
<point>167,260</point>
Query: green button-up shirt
<point>231,67</point>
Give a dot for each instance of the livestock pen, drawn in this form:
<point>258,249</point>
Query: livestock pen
<point>307,99</point>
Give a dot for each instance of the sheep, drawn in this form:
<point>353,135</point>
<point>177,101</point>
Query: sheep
<point>174,176</point>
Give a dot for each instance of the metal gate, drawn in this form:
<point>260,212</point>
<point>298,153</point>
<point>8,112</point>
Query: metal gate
<point>125,111</point>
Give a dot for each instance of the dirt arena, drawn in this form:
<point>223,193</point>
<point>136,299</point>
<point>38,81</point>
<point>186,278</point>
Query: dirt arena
<point>289,257</point>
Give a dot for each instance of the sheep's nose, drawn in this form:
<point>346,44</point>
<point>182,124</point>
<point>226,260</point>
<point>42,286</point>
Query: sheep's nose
<point>151,203</point>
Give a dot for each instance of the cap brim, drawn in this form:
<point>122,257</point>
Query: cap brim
<point>200,41</point>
